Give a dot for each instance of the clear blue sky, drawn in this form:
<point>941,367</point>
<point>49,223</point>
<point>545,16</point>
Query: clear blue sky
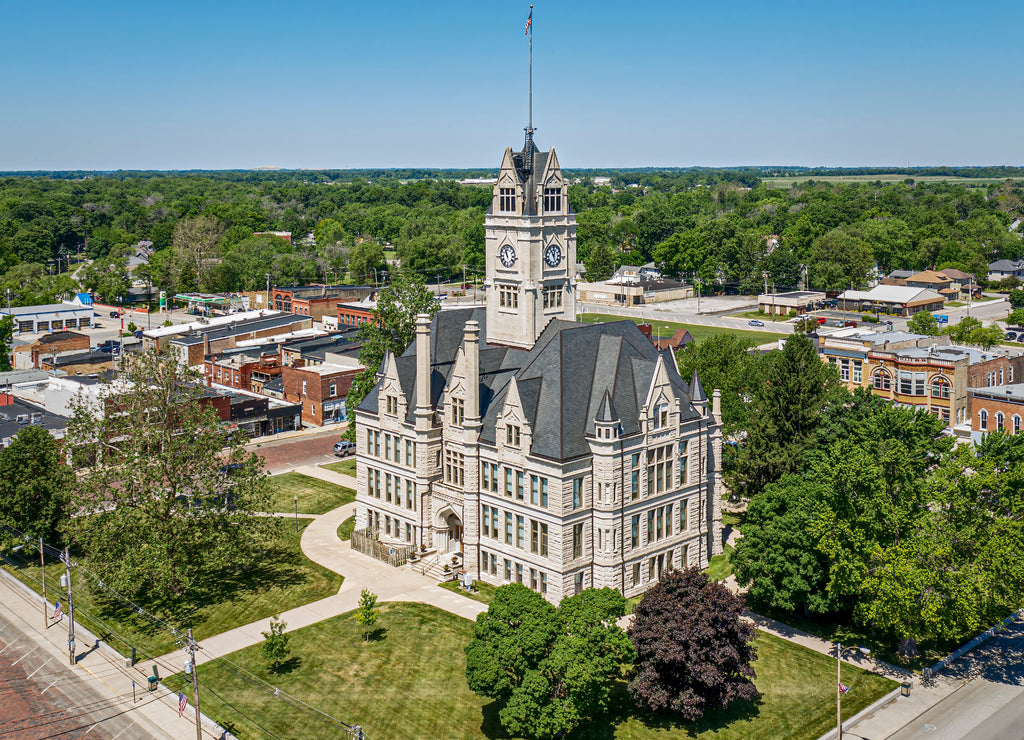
<point>225,84</point>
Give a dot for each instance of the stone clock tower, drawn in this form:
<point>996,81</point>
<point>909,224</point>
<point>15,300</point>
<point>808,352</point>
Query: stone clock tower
<point>531,248</point>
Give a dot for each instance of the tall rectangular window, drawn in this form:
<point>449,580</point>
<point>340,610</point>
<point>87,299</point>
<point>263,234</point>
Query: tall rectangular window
<point>485,520</point>
<point>552,200</point>
<point>534,536</point>
<point>634,531</point>
<point>577,540</point>
<point>508,570</point>
<point>512,435</point>
<point>507,199</point>
<point>544,492</point>
<point>520,532</point>
<point>508,528</point>
<point>635,476</point>
<point>577,493</point>
<point>392,404</point>
<point>519,486</point>
<point>458,411</point>
<point>454,468</point>
<point>683,472</point>
<point>508,482</point>
<point>410,454</point>
<point>508,296</point>
<point>535,490</point>
<point>659,469</point>
<point>485,476</point>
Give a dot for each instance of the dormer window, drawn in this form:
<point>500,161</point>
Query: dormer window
<point>552,200</point>
<point>458,412</point>
<point>659,419</point>
<point>392,405</point>
<point>512,435</point>
<point>507,200</point>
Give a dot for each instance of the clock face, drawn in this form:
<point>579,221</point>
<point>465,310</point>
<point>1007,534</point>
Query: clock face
<point>507,255</point>
<point>553,255</point>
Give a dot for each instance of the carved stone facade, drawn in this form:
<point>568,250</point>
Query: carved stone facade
<point>555,454</point>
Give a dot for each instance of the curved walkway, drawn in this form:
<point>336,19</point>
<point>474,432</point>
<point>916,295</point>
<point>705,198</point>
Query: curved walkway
<point>320,544</point>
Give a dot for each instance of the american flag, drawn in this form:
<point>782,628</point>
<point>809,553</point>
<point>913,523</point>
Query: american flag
<point>843,689</point>
<point>57,610</point>
<point>529,22</point>
<point>182,703</point>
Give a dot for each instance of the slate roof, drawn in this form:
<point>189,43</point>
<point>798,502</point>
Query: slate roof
<point>562,381</point>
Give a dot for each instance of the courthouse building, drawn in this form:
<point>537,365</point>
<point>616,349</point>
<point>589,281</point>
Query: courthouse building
<point>514,444</point>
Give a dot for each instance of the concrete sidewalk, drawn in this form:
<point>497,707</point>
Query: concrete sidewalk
<point>100,681</point>
<point>320,544</point>
<point>315,471</point>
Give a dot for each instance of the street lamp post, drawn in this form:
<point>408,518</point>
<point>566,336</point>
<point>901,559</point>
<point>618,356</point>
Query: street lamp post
<point>839,684</point>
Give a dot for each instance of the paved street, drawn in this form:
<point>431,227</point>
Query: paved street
<point>988,702</point>
<point>42,696</point>
<point>291,450</point>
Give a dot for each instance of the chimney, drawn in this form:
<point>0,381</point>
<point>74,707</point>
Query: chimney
<point>472,348</point>
<point>423,407</point>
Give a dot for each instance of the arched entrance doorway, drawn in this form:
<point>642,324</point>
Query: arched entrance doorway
<point>448,531</point>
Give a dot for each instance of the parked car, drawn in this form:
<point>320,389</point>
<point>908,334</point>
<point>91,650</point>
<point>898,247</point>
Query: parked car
<point>1011,335</point>
<point>111,347</point>
<point>344,447</point>
<point>114,314</point>
<point>755,322</point>
<point>821,320</point>
<point>849,323</point>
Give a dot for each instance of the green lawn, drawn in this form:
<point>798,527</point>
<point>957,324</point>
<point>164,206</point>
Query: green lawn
<point>283,580</point>
<point>667,328</point>
<point>484,591</point>
<point>393,687</point>
<point>315,496</point>
<point>760,315</point>
<point>345,530</point>
<point>346,467</point>
<point>720,566</point>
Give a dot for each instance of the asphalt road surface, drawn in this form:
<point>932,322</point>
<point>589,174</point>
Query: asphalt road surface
<point>989,706</point>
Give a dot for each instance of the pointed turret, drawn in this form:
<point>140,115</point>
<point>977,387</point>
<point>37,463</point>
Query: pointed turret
<point>697,394</point>
<point>607,411</point>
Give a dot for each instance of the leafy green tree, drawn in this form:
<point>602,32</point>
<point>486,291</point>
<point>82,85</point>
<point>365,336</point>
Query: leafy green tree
<point>35,484</point>
<point>601,263</point>
<point>969,330</point>
<point>1015,317</point>
<point>275,648</point>
<point>725,362</point>
<point>1016,298</point>
<point>366,612</point>
<point>398,305</point>
<point>784,415</point>
<point>6,337</point>
<point>694,651</point>
<point>923,322</point>
<point>195,242</point>
<point>365,259</point>
<point>550,670</point>
<point>777,558</point>
<point>841,258</point>
<point>157,463</point>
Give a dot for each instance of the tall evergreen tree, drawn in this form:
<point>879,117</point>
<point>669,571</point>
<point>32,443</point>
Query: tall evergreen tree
<point>785,413</point>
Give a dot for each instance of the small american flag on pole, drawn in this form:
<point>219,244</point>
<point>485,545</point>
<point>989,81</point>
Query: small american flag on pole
<point>529,22</point>
<point>57,610</point>
<point>182,703</point>
<point>843,689</point>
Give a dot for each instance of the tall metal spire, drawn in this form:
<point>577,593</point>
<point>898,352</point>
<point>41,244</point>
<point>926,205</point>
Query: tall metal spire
<point>529,30</point>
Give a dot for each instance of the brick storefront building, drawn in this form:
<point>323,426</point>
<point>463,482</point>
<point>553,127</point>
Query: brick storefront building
<point>321,390</point>
<point>315,301</point>
<point>49,346</point>
<point>997,409</point>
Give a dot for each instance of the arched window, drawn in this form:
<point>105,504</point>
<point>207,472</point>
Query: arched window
<point>999,421</point>
<point>1016,424</point>
<point>940,387</point>
<point>983,419</point>
<point>880,380</point>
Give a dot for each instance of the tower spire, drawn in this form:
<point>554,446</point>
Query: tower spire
<point>529,124</point>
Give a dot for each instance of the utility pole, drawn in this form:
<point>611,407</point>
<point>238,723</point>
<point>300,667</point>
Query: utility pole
<point>765,276</point>
<point>42,575</point>
<point>268,290</point>
<point>195,681</point>
<point>71,609</point>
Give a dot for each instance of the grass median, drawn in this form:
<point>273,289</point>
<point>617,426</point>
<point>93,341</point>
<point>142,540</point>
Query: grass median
<point>409,681</point>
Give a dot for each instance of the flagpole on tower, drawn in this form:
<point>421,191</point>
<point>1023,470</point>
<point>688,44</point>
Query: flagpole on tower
<point>530,124</point>
<point>529,30</point>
